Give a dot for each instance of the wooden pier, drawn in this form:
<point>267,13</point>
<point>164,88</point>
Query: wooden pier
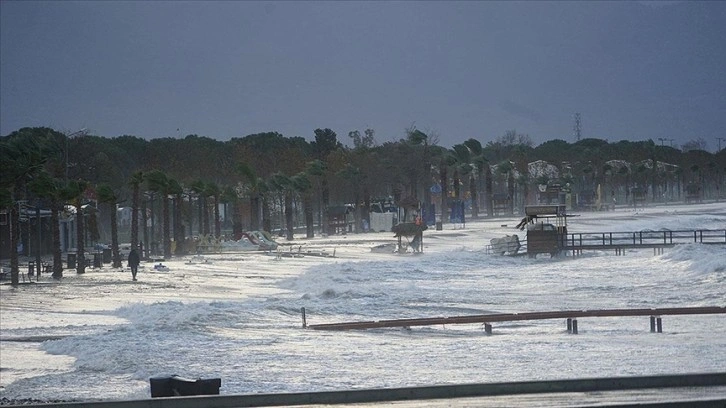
<point>558,243</point>
<point>552,237</point>
<point>620,241</point>
<point>487,319</point>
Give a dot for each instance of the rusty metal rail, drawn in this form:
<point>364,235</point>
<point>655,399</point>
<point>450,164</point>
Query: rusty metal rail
<point>508,317</point>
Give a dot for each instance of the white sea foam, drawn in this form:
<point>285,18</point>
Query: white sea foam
<point>701,259</point>
<point>239,318</point>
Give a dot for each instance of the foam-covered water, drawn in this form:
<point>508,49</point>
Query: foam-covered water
<point>238,316</point>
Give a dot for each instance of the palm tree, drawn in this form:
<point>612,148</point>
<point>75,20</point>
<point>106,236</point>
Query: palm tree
<point>230,199</point>
<point>303,187</point>
<point>480,163</point>
<point>461,156</point>
<point>48,187</point>
<point>283,184</point>
<point>74,191</point>
<point>135,182</point>
<point>212,190</point>
<point>446,160</point>
<point>177,191</point>
<point>158,182</point>
<point>198,188</point>
<point>354,177</point>
<point>315,169</point>
<point>254,186</point>
<point>107,196</point>
<point>624,172</point>
<point>145,210</point>
<point>326,141</point>
<point>507,169</point>
<point>488,188</point>
<point>20,159</point>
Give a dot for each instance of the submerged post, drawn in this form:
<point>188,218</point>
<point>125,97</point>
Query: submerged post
<point>305,324</point>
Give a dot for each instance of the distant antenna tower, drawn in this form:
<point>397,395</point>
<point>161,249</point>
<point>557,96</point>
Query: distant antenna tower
<point>578,126</point>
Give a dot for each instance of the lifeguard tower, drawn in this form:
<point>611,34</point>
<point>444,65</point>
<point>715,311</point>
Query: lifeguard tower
<point>546,237</point>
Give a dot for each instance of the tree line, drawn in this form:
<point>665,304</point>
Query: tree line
<point>271,182</point>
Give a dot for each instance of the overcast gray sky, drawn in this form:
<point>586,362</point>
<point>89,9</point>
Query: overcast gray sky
<point>634,70</point>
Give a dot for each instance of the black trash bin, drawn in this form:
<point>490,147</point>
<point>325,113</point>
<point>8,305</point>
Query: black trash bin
<point>71,261</point>
<point>96,260</point>
<point>107,255</point>
<point>161,387</point>
<point>31,268</point>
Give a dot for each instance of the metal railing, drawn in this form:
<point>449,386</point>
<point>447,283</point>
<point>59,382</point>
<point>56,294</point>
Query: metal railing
<point>644,238</point>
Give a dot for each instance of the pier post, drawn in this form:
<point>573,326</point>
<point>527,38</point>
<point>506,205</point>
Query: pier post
<point>487,328</point>
<point>305,323</point>
<point>652,324</point>
<point>659,324</point>
<point>574,326</point>
<point>569,325</point>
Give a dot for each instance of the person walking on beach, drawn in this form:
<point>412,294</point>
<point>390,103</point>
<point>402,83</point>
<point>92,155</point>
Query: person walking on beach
<point>134,263</point>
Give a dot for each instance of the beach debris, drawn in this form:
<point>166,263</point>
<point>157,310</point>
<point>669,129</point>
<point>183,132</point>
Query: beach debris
<point>384,249</point>
<point>198,259</point>
<point>506,244</point>
<point>161,267</point>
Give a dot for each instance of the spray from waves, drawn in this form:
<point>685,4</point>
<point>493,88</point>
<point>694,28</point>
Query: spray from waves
<point>367,289</point>
<point>699,258</point>
<point>349,277</point>
<point>675,220</point>
<point>165,338</point>
<point>695,222</point>
<point>173,315</point>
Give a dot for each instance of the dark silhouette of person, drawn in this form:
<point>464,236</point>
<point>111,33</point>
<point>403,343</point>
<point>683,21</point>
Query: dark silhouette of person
<point>134,262</point>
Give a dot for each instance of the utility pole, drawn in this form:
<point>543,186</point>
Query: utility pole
<point>578,126</point>
<point>719,142</point>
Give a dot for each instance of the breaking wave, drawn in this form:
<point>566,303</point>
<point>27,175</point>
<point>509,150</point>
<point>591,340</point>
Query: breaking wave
<point>699,258</point>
